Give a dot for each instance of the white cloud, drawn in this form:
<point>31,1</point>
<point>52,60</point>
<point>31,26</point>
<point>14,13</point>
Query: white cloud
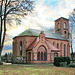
<point>41,19</point>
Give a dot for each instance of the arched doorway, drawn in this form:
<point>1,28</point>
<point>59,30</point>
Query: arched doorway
<point>42,53</point>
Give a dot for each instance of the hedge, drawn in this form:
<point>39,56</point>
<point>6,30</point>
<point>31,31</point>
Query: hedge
<point>58,60</point>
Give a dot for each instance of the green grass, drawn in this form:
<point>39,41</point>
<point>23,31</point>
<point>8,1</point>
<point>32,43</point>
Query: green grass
<point>28,69</point>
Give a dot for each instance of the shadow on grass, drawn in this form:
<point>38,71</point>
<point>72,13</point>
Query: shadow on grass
<point>35,64</point>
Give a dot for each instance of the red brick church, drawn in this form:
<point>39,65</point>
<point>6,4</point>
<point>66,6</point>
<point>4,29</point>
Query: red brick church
<point>36,46</point>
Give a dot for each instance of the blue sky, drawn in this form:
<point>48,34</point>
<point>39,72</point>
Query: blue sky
<point>46,12</point>
<point>52,3</point>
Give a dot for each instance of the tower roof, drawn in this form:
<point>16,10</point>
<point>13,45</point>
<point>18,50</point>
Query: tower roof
<point>61,18</point>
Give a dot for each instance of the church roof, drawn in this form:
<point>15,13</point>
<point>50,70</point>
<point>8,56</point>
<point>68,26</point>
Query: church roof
<point>48,34</point>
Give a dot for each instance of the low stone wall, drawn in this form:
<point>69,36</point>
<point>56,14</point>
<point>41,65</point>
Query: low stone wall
<point>19,60</point>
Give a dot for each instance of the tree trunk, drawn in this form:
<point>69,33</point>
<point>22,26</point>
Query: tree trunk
<point>1,32</point>
<point>0,59</point>
<point>0,56</point>
<point>71,52</point>
<point>2,35</point>
<point>71,43</point>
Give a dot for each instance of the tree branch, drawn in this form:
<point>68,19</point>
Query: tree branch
<point>15,7</point>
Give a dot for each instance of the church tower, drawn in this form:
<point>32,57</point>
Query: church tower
<point>62,27</point>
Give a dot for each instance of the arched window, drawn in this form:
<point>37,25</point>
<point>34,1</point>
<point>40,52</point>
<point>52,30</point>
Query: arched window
<point>38,56</point>
<point>57,45</point>
<point>61,49</point>
<point>58,25</point>
<point>45,56</point>
<point>16,44</point>
<point>68,50</point>
<point>20,48</point>
<point>64,24</point>
<point>64,49</point>
<point>42,53</point>
<point>65,33</point>
<point>53,42</point>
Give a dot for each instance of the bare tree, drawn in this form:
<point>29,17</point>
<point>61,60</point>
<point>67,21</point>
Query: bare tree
<point>72,25</point>
<point>18,7</point>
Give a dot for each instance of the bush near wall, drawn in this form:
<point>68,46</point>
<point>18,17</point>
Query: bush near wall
<point>59,60</point>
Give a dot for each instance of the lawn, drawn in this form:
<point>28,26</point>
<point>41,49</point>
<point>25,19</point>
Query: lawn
<point>35,70</point>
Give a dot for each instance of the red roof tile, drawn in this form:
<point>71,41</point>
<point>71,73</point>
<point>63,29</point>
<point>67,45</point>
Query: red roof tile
<point>34,43</point>
<point>52,47</point>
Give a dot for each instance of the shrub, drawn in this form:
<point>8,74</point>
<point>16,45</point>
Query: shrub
<point>61,63</point>
<point>58,60</point>
<point>71,65</point>
<point>67,59</point>
<point>1,63</point>
<point>8,61</point>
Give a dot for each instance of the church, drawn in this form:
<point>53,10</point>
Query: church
<point>38,46</point>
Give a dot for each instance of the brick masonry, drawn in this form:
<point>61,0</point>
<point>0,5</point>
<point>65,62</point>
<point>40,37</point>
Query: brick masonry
<point>31,45</point>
